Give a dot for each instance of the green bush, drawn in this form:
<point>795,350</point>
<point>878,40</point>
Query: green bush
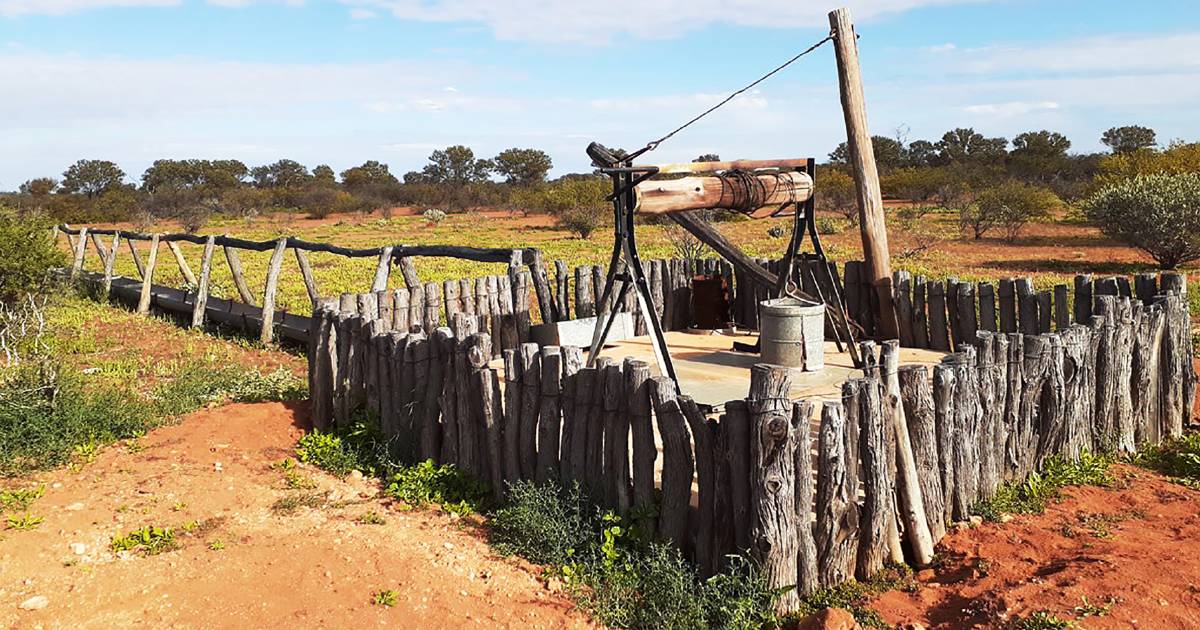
<point>26,252</point>
<point>1032,495</point>
<point>1158,214</point>
<point>445,485</point>
<point>1008,206</point>
<point>544,524</point>
<point>1178,459</point>
<point>359,446</point>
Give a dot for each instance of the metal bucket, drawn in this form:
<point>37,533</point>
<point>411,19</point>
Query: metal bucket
<point>792,333</point>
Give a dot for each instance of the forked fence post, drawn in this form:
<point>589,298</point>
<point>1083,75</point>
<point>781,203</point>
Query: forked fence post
<point>267,334</point>
<point>148,276</point>
<point>201,302</point>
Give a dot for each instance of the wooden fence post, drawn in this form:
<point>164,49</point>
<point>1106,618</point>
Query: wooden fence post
<point>268,310</point>
<point>382,269</point>
<point>531,377</point>
<point>572,361</point>
<point>910,504</point>
<point>836,530</point>
<point>916,394</point>
<point>637,392</point>
<point>677,462</point>
<point>80,251</point>
<point>310,282</point>
<point>202,286</point>
<point>549,416</point>
<point>512,415</point>
<point>773,481</point>
<point>808,578</point>
<point>109,262</point>
<point>184,269</point>
<point>239,280</point>
<point>148,276</point>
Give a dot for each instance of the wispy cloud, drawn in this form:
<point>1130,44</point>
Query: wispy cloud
<point>1103,55</point>
<point>10,8</point>
<point>600,22</point>
<point>1012,108</point>
<point>362,14</point>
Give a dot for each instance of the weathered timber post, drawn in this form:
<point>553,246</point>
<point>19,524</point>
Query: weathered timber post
<point>836,530</point>
<point>235,270</point>
<point>637,392</point>
<point>945,381</point>
<point>737,425</point>
<point>184,269</point>
<point>916,394</point>
<point>706,462</point>
<point>202,286</point>
<point>382,269</point>
<point>572,361</point>
<point>910,504</point>
<point>109,262</point>
<point>80,250</point>
<point>594,445</point>
<point>773,541</point>
<point>808,578</point>
<point>306,272</point>
<point>549,416</point>
<point>531,378</point>
<point>267,333</point>
<point>147,276</point>
<point>677,462</point>
<point>512,415</point>
<point>409,271</point>
<point>430,446</point>
<point>866,176</point>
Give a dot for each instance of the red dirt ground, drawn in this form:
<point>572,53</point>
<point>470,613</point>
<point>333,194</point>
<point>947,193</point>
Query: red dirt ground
<point>1134,545</point>
<point>318,567</point>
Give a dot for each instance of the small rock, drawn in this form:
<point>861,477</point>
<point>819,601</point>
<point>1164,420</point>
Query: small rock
<point>74,507</point>
<point>37,602</point>
<point>356,475</point>
<point>830,619</point>
<point>217,466</point>
<point>56,485</point>
<point>329,575</point>
<point>448,545</point>
<point>976,521</point>
<point>78,548</point>
<point>1006,518</point>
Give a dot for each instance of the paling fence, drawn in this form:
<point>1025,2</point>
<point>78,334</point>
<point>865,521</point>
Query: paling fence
<point>819,491</point>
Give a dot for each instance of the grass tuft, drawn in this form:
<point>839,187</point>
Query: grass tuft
<point>1032,495</point>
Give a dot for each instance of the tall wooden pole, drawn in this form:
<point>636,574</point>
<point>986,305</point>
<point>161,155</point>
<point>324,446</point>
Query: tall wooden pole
<point>866,176</point>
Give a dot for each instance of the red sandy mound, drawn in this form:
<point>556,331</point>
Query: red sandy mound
<point>318,566</point>
<point>1135,545</point>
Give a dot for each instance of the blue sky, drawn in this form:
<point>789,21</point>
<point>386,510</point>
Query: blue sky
<point>343,81</point>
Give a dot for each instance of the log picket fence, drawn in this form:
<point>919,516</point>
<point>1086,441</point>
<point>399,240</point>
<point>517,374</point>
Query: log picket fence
<point>906,451</point>
<point>818,491</point>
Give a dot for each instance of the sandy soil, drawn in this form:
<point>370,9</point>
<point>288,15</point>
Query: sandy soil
<point>1133,545</point>
<point>317,567</point>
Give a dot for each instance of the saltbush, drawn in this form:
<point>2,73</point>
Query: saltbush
<point>26,253</point>
<point>1158,214</point>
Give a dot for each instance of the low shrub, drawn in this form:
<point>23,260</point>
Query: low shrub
<point>359,446</point>
<point>427,483</point>
<point>1032,495</point>
<point>543,524</point>
<point>1158,214</point>
<point>1178,459</point>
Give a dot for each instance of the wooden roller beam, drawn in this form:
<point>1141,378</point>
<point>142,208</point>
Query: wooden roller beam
<point>739,165</point>
<point>699,193</point>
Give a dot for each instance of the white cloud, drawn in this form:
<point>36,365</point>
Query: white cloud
<point>9,8</point>
<point>1012,108</point>
<point>362,14</point>
<point>680,102</point>
<point>580,21</point>
<point>941,48</point>
<point>1104,55</point>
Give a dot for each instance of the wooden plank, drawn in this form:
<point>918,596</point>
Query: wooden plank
<point>1083,299</point>
<point>184,269</point>
<point>147,276</point>
<point>1062,307</point>
<point>235,270</point>
<point>677,463</point>
<point>1008,305</point>
<point>939,330</point>
<point>202,285</point>
<point>1045,311</point>
<point>987,306</point>
<point>267,335</point>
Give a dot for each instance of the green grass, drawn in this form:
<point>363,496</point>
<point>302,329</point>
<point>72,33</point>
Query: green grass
<point>24,521</point>
<point>855,596</point>
<point>385,598</point>
<point>446,486</point>
<point>1032,495</point>
<point>148,540</point>
<point>54,412</point>
<point>1178,459</point>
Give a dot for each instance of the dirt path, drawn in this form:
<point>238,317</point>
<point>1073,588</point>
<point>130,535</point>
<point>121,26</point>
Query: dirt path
<point>1133,546</point>
<point>316,567</point>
